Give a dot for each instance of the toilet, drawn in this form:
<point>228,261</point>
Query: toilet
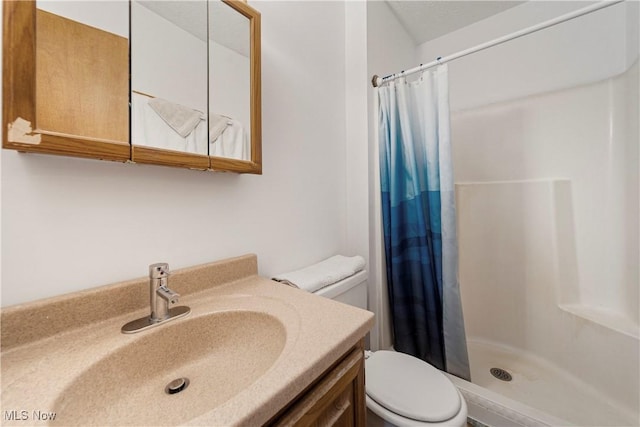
<point>401,390</point>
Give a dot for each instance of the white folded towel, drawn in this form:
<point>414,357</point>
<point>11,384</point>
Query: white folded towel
<point>324,273</point>
<point>181,119</point>
<point>217,125</point>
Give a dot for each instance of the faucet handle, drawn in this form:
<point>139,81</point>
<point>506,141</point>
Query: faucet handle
<point>168,295</point>
<point>159,270</point>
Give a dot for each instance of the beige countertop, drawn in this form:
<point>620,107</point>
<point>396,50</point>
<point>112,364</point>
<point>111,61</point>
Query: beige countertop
<point>47,347</point>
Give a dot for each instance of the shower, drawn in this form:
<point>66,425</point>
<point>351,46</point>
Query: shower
<point>544,133</point>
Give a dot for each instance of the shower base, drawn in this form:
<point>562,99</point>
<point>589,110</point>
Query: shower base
<point>538,393</point>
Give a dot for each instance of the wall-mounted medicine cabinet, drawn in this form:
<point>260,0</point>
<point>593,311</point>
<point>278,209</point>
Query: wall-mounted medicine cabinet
<point>173,83</point>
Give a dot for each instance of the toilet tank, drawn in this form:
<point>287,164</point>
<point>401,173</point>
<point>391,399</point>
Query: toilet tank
<point>351,290</point>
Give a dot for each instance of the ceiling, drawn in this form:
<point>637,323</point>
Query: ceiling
<point>227,27</point>
<point>426,20</point>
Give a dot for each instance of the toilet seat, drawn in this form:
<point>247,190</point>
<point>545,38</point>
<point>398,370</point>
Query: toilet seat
<point>379,416</point>
<point>410,387</point>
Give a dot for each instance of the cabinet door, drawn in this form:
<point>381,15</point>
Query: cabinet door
<point>65,83</point>
<point>169,83</point>
<point>337,399</point>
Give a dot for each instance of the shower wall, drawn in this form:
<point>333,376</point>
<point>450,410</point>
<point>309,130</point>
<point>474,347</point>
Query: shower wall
<point>591,144</point>
<point>545,139</point>
<point>540,222</point>
<point>582,140</point>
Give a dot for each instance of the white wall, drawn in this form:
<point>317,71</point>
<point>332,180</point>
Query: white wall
<point>389,49</point>
<point>357,143</point>
<point>629,109</point>
<point>71,224</point>
<point>583,50</point>
<point>632,26</point>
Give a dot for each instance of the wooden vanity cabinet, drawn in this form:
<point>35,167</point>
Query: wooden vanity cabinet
<point>336,398</point>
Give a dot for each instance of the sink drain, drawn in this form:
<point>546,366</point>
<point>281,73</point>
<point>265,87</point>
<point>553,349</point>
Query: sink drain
<point>177,385</point>
<point>501,374</point>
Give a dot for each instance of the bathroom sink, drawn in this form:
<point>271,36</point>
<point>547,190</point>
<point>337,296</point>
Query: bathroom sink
<point>219,353</point>
<point>248,348</point>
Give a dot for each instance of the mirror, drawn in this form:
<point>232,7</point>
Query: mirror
<point>234,87</point>
<point>169,82</point>
<point>72,69</point>
<point>192,93</point>
<point>229,82</point>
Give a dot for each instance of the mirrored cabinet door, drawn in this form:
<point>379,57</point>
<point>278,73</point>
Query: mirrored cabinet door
<point>234,89</point>
<point>66,78</point>
<point>169,83</point>
<point>229,82</point>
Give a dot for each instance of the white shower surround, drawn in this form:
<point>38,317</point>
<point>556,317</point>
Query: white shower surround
<point>582,138</point>
<point>547,190</point>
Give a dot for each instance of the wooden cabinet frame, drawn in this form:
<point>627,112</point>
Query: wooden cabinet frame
<point>20,109</point>
<point>255,164</point>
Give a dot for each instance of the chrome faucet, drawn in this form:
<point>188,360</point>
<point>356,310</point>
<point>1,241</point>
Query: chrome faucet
<point>161,295</point>
<point>160,299</point>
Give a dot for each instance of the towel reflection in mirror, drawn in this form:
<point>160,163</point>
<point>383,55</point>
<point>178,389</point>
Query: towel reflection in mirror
<point>227,138</point>
<point>149,128</point>
<point>163,124</point>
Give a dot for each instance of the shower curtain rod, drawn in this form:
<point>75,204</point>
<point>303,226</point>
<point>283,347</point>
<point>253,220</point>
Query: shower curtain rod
<point>378,81</point>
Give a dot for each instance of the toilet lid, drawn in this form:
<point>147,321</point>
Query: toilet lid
<point>410,387</point>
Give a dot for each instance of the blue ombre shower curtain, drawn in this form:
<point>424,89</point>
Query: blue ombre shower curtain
<point>419,221</point>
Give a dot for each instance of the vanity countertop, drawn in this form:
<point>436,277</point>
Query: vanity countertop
<point>48,345</point>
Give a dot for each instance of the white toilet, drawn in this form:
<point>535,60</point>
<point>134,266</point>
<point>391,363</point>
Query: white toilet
<point>401,390</point>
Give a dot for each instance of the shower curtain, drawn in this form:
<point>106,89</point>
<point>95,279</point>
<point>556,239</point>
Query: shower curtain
<point>419,219</point>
